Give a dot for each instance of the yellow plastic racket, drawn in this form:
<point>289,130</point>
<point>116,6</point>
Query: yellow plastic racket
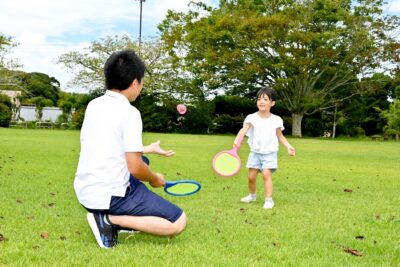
<point>227,163</point>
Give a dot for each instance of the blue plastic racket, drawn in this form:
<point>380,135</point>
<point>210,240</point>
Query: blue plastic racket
<point>182,187</point>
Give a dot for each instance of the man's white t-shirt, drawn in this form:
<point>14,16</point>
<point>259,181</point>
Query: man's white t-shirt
<point>112,126</point>
<point>262,134</point>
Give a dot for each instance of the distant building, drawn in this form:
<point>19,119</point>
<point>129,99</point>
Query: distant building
<point>28,113</point>
<point>13,95</point>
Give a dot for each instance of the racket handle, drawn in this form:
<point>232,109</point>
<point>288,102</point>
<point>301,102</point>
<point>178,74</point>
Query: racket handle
<point>240,140</point>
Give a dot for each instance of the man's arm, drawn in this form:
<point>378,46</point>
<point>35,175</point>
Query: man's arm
<point>142,171</point>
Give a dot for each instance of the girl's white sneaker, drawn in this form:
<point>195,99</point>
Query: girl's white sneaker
<point>248,199</point>
<point>269,204</point>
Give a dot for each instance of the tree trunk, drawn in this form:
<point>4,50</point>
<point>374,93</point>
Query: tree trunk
<point>296,124</point>
<point>334,123</point>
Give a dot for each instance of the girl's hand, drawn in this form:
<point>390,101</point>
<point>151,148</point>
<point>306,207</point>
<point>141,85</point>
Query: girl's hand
<point>291,151</point>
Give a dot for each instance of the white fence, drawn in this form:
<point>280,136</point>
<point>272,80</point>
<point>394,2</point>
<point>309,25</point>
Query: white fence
<point>28,113</point>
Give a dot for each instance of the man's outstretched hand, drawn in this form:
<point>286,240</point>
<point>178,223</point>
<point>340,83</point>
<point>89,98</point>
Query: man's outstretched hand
<point>154,148</point>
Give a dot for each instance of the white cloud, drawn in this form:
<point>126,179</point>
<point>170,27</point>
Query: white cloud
<point>45,29</point>
<point>394,6</point>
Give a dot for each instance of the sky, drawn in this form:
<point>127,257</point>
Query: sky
<point>46,29</point>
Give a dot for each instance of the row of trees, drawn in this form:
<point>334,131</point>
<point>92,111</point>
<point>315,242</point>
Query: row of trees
<point>363,114</point>
<point>321,56</point>
<point>311,51</point>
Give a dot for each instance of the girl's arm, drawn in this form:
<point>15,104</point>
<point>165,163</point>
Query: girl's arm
<point>284,141</point>
<point>241,134</point>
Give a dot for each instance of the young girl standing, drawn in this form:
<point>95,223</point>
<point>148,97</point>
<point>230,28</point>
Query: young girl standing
<point>264,130</point>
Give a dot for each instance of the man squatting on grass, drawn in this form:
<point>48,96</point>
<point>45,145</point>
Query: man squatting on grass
<point>111,168</point>
<point>264,130</point>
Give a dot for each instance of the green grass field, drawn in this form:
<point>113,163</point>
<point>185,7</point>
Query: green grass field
<point>315,222</point>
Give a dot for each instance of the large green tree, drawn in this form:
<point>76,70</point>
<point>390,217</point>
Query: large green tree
<point>36,84</point>
<point>361,115</point>
<point>307,50</point>
<point>393,119</point>
<point>7,65</point>
<point>87,65</point>
<point>161,79</point>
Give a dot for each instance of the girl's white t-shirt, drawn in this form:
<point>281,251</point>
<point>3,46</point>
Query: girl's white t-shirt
<point>262,134</point>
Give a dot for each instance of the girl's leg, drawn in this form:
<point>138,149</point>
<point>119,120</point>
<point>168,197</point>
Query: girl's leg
<point>268,186</point>
<point>252,180</point>
<point>252,186</point>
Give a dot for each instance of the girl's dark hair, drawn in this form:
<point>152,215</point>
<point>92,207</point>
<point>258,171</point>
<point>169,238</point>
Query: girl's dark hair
<point>271,93</point>
<point>122,68</point>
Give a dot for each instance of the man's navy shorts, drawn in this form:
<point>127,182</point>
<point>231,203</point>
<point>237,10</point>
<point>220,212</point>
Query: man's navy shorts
<point>140,201</point>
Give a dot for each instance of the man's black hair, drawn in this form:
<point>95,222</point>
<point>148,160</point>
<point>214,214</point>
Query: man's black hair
<point>122,68</point>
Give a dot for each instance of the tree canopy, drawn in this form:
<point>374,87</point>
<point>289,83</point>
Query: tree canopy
<point>307,50</point>
<point>161,79</point>
<point>7,65</point>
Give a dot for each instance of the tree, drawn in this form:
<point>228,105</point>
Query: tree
<point>5,111</point>
<point>395,89</point>
<point>7,75</point>
<point>198,118</point>
<point>6,44</point>
<point>36,84</point>
<point>87,66</point>
<point>393,119</point>
<point>155,118</point>
<point>40,102</point>
<point>230,112</point>
<point>5,115</point>
<point>307,50</point>
<point>358,115</point>
<point>66,107</point>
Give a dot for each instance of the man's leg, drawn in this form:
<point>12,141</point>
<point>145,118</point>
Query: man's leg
<point>150,224</point>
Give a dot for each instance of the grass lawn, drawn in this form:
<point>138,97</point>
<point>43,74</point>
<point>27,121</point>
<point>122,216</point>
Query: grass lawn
<point>335,197</point>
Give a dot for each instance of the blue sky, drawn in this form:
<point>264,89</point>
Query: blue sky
<point>45,29</point>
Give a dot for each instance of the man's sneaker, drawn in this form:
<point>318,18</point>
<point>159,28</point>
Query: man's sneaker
<point>269,204</point>
<point>248,198</point>
<point>106,234</point>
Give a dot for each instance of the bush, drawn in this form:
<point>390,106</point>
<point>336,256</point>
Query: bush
<point>313,127</point>
<point>197,120</point>
<point>356,132</point>
<point>155,120</point>
<point>154,117</point>
<point>77,119</point>
<point>6,101</point>
<point>226,123</point>
<point>5,115</point>
<point>234,105</point>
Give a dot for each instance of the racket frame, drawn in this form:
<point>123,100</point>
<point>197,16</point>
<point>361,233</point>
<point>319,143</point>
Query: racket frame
<point>169,184</point>
<point>233,153</point>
